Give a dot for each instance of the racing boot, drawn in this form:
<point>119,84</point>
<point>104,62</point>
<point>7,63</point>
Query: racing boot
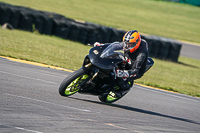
<point>124,87</point>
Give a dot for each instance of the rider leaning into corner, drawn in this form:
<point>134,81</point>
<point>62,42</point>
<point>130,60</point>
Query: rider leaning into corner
<point>136,54</point>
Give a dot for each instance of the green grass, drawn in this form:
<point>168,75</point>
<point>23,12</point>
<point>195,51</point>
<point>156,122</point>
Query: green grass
<point>41,48</point>
<point>154,17</point>
<point>182,77</point>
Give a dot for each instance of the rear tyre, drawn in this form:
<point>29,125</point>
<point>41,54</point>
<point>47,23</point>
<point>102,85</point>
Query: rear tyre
<point>112,96</point>
<point>108,98</point>
<point>69,85</point>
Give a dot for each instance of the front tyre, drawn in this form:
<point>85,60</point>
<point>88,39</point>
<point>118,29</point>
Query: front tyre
<point>69,85</point>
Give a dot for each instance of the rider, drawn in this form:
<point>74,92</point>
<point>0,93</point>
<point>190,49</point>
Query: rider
<point>136,54</point>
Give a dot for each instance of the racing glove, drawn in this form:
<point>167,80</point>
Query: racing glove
<point>122,74</point>
<point>98,44</point>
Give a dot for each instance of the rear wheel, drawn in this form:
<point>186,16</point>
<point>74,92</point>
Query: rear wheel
<point>108,98</point>
<point>70,84</point>
<point>111,96</point>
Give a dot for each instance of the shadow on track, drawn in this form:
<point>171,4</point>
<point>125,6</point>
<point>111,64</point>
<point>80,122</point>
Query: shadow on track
<point>139,110</point>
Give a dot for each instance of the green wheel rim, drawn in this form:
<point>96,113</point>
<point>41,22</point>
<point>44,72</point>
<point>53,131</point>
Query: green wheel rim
<point>72,87</point>
<point>111,97</point>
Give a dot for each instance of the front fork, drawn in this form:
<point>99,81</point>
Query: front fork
<point>91,79</point>
<point>89,82</point>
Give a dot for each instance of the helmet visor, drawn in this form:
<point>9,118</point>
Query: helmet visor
<point>129,45</point>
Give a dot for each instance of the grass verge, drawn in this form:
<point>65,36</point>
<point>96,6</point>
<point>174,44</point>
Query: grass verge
<point>182,77</point>
<point>154,17</point>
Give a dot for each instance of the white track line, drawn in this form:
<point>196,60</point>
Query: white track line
<point>20,128</point>
<point>84,110</point>
<point>28,77</point>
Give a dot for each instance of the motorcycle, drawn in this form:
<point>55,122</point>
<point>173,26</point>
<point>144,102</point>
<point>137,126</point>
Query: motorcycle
<point>97,76</point>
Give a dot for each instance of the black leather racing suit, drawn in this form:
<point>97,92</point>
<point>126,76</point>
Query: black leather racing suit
<point>138,59</point>
<point>136,66</point>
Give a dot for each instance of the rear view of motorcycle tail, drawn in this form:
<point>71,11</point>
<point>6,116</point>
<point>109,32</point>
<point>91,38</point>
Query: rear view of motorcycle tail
<point>97,76</point>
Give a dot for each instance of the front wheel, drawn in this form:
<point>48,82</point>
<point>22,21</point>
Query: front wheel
<point>70,84</point>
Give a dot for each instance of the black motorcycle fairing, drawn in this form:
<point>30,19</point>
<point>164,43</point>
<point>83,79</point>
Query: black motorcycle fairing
<point>105,64</point>
<point>150,63</point>
<point>86,65</point>
<point>101,60</point>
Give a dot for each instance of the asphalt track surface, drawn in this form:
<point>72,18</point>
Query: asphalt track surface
<point>30,103</point>
<point>191,51</point>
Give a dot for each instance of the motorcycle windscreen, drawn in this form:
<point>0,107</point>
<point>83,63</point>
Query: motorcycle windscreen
<point>106,57</point>
<point>113,51</point>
